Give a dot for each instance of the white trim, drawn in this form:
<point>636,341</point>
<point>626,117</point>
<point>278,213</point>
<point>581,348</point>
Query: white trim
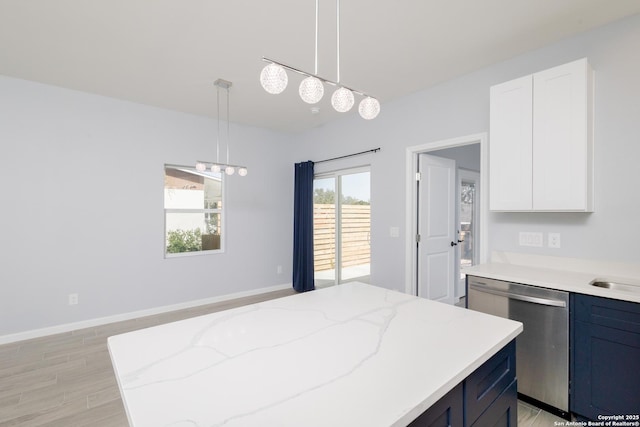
<point>411,202</point>
<point>68,327</point>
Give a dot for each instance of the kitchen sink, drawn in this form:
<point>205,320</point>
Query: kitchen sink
<point>616,286</point>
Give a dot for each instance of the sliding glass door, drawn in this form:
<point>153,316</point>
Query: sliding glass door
<point>342,227</point>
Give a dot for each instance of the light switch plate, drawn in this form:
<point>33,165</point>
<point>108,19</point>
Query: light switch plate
<point>394,232</point>
<point>529,238</point>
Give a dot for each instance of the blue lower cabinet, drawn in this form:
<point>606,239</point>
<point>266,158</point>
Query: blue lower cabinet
<point>487,397</point>
<point>605,357</point>
<point>487,383</point>
<point>503,412</point>
<point>447,411</point>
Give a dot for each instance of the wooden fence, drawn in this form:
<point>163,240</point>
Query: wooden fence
<point>356,226</point>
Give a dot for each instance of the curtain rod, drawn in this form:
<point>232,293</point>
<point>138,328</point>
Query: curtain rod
<point>349,155</point>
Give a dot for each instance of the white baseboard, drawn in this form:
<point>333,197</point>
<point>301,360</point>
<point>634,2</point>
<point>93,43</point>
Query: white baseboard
<point>68,327</point>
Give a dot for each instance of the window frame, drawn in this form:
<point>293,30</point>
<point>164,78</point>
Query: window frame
<point>220,211</point>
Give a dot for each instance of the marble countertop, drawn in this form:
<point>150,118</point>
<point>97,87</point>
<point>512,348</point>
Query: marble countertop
<point>563,280</point>
<point>347,355</point>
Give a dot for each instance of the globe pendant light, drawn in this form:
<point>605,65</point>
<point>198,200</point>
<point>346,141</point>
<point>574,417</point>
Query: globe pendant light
<point>369,108</point>
<point>274,79</point>
<point>311,90</point>
<point>342,100</point>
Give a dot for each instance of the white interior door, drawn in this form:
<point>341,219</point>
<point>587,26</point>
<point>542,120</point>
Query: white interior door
<point>436,228</point>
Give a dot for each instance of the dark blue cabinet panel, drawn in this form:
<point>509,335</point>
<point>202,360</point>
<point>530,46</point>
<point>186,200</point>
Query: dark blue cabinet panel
<point>605,357</point>
<point>445,412</point>
<point>487,397</point>
<point>503,412</point>
<point>488,382</point>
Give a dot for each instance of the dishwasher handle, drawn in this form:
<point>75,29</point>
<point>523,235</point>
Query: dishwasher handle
<point>519,297</point>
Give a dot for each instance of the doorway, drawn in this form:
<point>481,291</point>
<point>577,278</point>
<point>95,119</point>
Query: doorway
<point>342,227</point>
<point>417,266</point>
<point>468,194</point>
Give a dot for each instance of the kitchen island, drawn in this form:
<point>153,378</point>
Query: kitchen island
<point>348,355</point>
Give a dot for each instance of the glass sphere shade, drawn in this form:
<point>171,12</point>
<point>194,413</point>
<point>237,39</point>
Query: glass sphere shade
<point>342,100</point>
<point>215,168</point>
<point>201,167</point>
<point>242,171</point>
<point>311,90</point>
<point>369,108</point>
<point>274,79</point>
<point>230,170</point>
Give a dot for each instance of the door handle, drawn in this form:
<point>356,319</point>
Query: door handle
<point>454,244</point>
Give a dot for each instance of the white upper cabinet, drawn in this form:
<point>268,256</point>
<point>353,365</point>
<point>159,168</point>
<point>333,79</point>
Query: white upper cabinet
<point>510,146</point>
<point>541,142</point>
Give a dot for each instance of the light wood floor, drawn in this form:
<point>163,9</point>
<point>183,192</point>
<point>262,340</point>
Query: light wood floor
<point>67,380</point>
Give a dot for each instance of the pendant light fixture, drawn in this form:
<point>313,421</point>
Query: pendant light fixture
<point>217,166</point>
<point>274,80</point>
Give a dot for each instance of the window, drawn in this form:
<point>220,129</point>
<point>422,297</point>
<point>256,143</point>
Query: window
<point>193,211</point>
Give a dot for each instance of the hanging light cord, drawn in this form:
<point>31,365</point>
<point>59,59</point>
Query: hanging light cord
<point>218,135</point>
<point>216,166</point>
<point>316,60</point>
<point>228,137</point>
<point>337,40</point>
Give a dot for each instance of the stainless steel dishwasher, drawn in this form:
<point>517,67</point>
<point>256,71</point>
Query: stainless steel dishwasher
<point>542,350</point>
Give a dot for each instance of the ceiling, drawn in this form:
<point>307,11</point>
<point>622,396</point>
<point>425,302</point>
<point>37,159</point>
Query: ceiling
<point>167,53</point>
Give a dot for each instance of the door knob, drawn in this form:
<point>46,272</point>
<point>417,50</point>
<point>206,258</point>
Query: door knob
<point>454,244</point>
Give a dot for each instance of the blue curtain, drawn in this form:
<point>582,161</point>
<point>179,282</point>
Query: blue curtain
<point>303,228</point>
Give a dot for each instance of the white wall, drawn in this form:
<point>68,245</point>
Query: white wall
<point>107,245</point>
<point>82,207</point>
<point>461,107</point>
<point>466,157</point>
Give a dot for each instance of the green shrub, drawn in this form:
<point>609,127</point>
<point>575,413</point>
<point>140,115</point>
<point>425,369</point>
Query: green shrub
<point>184,241</point>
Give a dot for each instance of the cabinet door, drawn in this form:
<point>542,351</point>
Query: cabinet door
<point>510,150</point>
<point>503,412</point>
<point>488,383</point>
<point>605,357</point>
<point>446,412</point>
<point>562,141</point>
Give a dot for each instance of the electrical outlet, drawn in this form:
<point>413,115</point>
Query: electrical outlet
<point>394,231</point>
<point>279,269</point>
<point>528,238</point>
<point>553,240</point>
<point>73,299</point>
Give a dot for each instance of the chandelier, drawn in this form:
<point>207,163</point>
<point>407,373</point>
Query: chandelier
<point>217,166</point>
<point>274,80</point>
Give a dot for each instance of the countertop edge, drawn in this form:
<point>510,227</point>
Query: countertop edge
<point>568,281</point>
<point>457,379</point>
